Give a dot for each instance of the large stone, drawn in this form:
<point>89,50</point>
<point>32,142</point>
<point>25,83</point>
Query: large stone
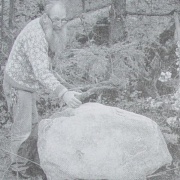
<point>96,141</point>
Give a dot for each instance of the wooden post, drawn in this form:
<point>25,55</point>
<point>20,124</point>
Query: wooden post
<point>117,21</point>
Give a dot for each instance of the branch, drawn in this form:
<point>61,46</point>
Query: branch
<point>98,8</point>
<point>67,112</point>
<point>63,81</point>
<point>96,90</point>
<point>127,12</point>
<point>151,14</point>
<point>102,84</point>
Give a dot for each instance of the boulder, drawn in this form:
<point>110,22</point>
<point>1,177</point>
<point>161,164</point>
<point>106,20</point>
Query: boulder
<point>96,141</point>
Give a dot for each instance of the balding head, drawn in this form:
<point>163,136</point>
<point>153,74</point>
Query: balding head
<point>47,2</point>
<point>56,12</point>
<point>50,4</point>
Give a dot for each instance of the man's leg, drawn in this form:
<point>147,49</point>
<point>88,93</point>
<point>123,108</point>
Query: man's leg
<point>22,123</point>
<point>28,148</point>
<point>20,107</point>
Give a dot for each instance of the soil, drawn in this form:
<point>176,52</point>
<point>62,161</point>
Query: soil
<point>164,173</point>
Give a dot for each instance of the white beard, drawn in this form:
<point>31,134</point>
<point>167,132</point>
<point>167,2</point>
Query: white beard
<point>56,39</point>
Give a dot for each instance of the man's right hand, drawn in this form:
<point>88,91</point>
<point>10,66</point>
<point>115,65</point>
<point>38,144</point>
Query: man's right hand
<point>70,99</point>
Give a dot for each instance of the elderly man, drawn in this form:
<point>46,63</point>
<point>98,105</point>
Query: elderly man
<point>28,66</point>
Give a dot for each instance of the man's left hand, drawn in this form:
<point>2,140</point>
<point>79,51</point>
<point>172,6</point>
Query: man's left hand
<point>70,99</point>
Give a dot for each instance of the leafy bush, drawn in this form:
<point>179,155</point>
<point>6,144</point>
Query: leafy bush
<point>120,64</point>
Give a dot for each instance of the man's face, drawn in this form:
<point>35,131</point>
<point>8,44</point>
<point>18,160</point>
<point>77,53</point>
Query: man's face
<point>57,15</point>
<point>56,28</point>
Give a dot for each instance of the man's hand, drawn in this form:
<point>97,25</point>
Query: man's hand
<point>70,99</point>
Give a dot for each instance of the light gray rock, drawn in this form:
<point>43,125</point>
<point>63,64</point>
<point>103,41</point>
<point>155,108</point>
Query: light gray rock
<point>96,141</point>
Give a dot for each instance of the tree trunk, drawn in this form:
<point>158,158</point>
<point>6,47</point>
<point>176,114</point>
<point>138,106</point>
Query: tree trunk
<point>83,5</point>
<point>117,21</point>
<point>11,14</point>
<point>177,32</point>
<point>2,21</point>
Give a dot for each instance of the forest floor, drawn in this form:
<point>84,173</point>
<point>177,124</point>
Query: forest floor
<point>5,173</point>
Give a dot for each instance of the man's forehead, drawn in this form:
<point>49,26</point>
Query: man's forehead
<point>57,11</point>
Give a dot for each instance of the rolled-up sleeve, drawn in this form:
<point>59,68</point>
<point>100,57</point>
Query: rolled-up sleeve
<point>37,52</point>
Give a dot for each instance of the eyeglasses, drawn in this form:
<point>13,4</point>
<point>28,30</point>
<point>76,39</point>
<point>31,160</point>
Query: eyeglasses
<point>58,20</point>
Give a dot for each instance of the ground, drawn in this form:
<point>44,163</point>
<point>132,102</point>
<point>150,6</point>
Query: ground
<point>5,174</point>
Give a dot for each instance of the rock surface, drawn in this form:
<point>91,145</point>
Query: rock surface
<point>96,141</point>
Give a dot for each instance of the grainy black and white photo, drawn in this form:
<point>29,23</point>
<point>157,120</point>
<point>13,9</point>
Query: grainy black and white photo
<point>90,90</point>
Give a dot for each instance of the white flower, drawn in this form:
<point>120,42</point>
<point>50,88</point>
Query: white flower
<point>168,74</point>
<point>162,74</point>
<point>162,79</point>
<point>165,76</point>
<point>149,99</point>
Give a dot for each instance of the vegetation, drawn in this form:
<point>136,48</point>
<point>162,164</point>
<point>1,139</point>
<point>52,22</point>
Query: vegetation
<point>139,73</point>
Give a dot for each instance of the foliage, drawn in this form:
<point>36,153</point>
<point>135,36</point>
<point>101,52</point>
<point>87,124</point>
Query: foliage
<point>149,55</point>
<point>120,64</point>
<point>47,104</point>
<point>123,64</point>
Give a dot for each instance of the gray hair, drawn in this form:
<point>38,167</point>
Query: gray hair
<point>48,4</point>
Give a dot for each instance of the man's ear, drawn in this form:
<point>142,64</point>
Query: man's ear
<point>45,18</point>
